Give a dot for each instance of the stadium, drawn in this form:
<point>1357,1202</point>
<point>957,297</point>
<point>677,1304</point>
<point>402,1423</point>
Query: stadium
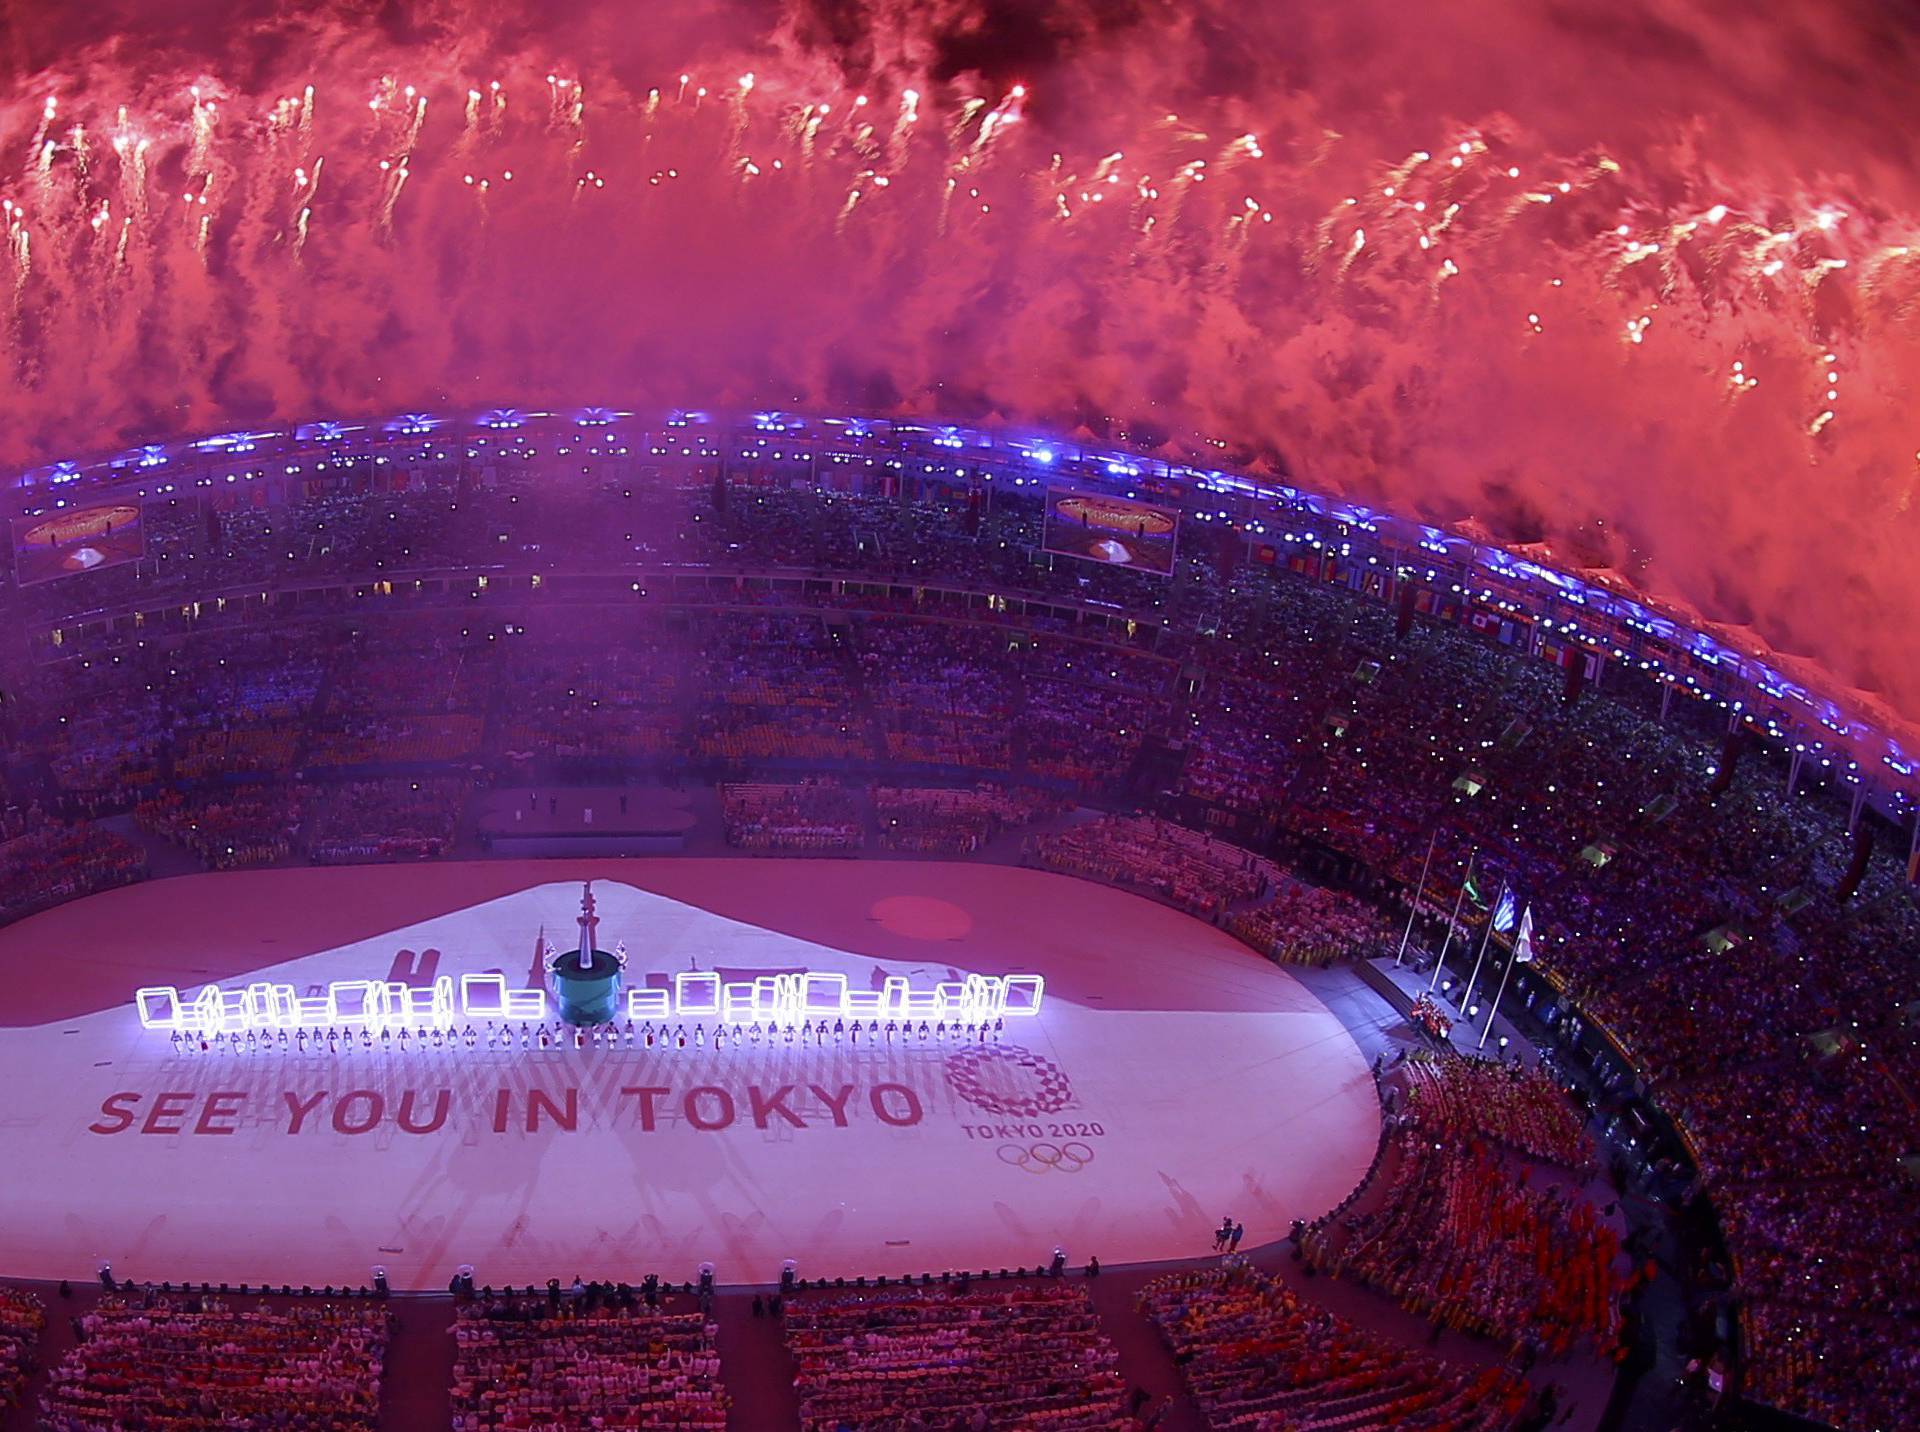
<point>917,907</point>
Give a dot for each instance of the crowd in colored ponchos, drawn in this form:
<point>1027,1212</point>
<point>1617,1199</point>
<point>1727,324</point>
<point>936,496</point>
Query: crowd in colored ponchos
<point>1259,1359</point>
<point>822,817</point>
<point>1189,869</point>
<point>1028,1354</point>
<point>55,861</point>
<point>1302,924</point>
<point>944,820</point>
<point>22,1319</point>
<point>394,819</point>
<point>1461,1238</point>
<point>229,827</point>
<point>775,688</point>
<point>941,692</point>
<point>598,1361</point>
<point>1523,1107</point>
<point>180,1363</point>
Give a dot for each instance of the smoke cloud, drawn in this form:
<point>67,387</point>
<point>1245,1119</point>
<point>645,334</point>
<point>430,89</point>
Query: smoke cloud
<point>1635,282</point>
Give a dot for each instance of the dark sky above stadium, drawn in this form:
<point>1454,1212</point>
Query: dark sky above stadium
<point>1636,281</point>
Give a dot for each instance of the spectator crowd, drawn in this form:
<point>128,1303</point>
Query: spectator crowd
<point>1258,1359</point>
<point>1027,1354</point>
<point>598,1360</point>
<point>176,1362</point>
<point>22,1318</point>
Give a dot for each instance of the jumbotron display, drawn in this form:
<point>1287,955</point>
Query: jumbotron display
<point>1117,530</point>
<point>68,543</point>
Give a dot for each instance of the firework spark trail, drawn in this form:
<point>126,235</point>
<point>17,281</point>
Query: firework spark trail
<point>811,118</point>
<point>205,113</point>
<point>40,151</point>
<point>903,126</point>
<point>45,180</point>
<point>19,248</point>
<point>306,187</point>
<point>470,128</point>
<point>846,209</point>
<point>737,119</point>
<point>415,120</point>
<point>394,179</point>
<point>130,149</point>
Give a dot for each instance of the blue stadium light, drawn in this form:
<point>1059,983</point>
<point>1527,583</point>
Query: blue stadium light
<point>231,442</point>
<point>503,418</point>
<point>413,424</point>
<point>325,432</point>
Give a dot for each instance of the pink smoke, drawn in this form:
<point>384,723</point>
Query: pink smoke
<point>1125,215</point>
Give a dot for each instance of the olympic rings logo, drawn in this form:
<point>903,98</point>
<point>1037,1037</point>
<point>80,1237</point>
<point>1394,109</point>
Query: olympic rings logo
<point>1041,1158</point>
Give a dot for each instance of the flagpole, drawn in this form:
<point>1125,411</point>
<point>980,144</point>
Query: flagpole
<point>1512,960</point>
<point>1418,891</point>
<point>1493,913</point>
<point>1447,943</point>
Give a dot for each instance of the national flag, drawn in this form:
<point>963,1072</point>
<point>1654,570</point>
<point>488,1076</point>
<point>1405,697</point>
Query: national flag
<point>1503,913</point>
<point>1523,942</point>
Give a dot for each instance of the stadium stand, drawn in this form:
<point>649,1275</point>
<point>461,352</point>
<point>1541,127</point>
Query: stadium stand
<point>1685,907</point>
<point>1023,1354</point>
<point>22,1318</point>
<point>181,1361</point>
<point>1258,1358</point>
<point>584,1363</point>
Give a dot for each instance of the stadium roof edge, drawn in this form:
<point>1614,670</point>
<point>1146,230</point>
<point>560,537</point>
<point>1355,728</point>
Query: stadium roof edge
<point>1886,742</point>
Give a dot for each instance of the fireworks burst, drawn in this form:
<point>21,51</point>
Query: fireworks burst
<point>1560,308</point>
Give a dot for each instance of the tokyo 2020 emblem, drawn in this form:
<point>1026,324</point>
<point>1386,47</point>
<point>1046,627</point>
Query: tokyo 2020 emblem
<point>1009,1080</point>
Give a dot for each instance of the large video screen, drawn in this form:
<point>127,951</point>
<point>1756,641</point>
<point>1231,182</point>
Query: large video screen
<point>1120,531</point>
<point>61,544</point>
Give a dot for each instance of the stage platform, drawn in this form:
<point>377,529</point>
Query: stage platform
<point>1172,1078</point>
